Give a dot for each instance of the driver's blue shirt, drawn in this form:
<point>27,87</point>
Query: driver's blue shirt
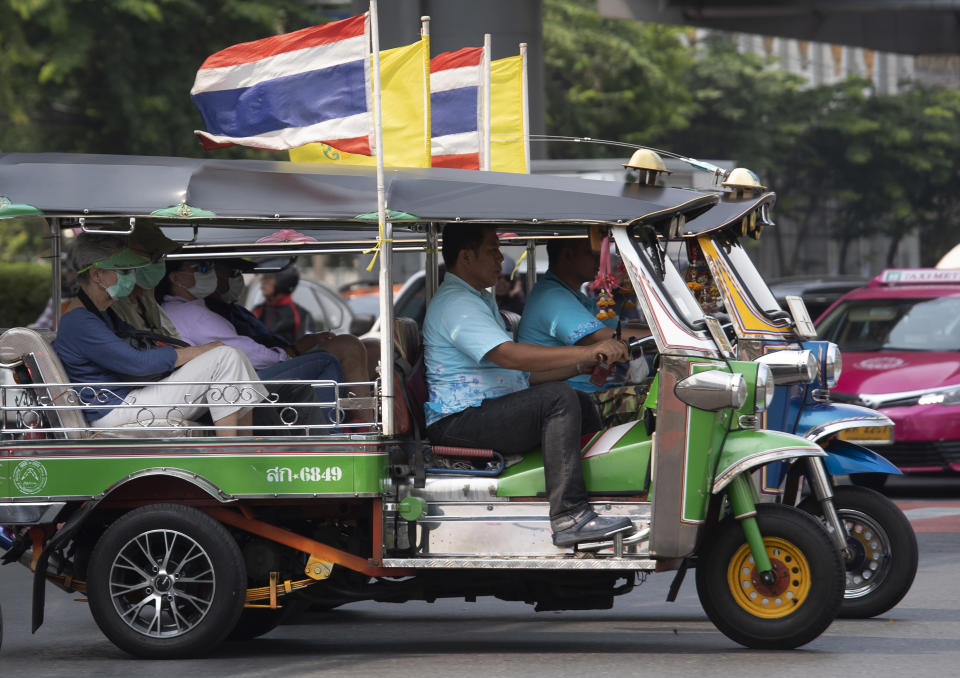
<point>557,315</point>
<point>462,325</point>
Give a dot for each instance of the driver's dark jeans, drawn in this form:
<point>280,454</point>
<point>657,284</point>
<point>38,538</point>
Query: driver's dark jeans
<point>551,416</point>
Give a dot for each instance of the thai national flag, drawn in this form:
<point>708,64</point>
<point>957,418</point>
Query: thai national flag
<point>288,90</point>
<point>456,111</point>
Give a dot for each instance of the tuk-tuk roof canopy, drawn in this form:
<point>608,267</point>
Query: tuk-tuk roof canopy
<point>192,190</point>
<point>728,213</point>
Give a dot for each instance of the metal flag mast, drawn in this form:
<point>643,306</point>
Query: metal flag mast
<point>487,111</point>
<point>385,238</point>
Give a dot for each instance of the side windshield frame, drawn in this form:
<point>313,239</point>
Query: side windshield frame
<point>670,285</point>
<point>751,282</point>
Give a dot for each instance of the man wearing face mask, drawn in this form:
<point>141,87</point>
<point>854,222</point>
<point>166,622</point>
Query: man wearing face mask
<point>183,292</point>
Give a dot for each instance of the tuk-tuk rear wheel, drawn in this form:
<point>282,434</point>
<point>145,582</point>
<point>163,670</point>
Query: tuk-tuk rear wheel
<point>802,602</point>
<point>166,581</point>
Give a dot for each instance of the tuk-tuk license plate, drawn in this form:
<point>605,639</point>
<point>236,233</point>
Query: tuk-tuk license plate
<point>875,435</point>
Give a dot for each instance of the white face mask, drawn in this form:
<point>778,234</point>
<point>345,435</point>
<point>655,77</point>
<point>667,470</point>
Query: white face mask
<point>204,284</point>
<point>234,291</point>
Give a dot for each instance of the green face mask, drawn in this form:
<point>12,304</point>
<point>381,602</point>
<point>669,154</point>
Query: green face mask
<point>124,285</point>
<point>149,276</point>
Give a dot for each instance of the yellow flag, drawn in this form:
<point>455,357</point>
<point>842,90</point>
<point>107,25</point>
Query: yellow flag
<point>405,101</point>
<point>507,143</point>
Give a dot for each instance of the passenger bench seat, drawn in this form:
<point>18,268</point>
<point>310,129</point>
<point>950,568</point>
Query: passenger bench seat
<point>44,366</point>
<point>35,350</point>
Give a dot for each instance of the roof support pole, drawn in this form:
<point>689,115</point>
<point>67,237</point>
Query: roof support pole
<point>386,243</point>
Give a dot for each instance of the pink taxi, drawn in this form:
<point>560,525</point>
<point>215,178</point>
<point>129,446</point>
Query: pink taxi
<point>900,341</point>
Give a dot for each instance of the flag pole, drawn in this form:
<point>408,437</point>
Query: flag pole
<point>486,103</point>
<point>531,277</point>
<point>427,131</point>
<point>385,241</point>
<point>526,108</point>
<point>432,246</point>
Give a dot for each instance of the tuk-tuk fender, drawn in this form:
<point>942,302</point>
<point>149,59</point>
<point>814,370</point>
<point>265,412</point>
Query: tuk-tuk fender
<point>189,477</point>
<point>822,419</point>
<point>745,450</point>
<point>844,457</point>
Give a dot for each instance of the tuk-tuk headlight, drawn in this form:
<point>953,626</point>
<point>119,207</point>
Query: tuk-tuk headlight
<point>765,388</point>
<point>832,366</point>
<point>791,366</point>
<point>712,390</point>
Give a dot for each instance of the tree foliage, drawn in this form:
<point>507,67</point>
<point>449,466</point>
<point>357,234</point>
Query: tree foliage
<point>841,157</point>
<point>114,76</point>
<point>611,79</point>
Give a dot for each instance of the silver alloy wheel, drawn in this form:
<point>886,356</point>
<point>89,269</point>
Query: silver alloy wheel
<point>871,553</point>
<point>162,583</point>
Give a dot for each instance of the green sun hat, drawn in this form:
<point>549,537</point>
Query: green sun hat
<point>125,258</point>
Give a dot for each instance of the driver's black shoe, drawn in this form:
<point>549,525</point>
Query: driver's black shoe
<point>591,527</point>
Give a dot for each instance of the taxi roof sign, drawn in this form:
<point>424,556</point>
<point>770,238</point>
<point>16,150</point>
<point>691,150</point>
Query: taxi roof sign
<point>919,276</point>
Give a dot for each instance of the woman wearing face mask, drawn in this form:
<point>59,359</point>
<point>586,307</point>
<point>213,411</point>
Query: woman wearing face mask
<point>90,346</point>
<point>183,293</point>
<point>140,308</point>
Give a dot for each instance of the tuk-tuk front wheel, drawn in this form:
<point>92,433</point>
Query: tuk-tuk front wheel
<point>166,581</point>
<point>802,601</point>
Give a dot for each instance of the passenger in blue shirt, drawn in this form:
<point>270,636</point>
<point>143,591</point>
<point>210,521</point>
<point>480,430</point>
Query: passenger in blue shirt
<point>557,313</point>
<point>478,381</point>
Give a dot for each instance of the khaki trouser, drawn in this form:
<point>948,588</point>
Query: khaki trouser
<point>217,370</point>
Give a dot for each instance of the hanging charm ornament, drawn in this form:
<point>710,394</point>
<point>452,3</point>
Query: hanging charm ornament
<point>605,283</point>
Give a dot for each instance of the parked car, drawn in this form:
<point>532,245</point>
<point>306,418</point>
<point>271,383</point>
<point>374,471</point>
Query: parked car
<point>900,340</point>
<point>818,292</point>
<point>363,296</point>
<point>329,310</point>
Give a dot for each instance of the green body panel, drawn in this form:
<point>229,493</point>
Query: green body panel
<point>621,468</point>
<point>4,478</point>
<point>749,371</point>
<point>705,434</point>
<point>237,471</point>
<point>746,443</point>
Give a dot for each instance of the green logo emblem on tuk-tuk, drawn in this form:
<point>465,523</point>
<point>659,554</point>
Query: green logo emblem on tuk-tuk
<point>30,477</point>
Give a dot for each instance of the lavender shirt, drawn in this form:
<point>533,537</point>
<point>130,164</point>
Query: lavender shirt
<point>197,324</point>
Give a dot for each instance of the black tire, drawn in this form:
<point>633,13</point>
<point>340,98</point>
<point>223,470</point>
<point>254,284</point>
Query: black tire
<point>181,606</point>
<point>883,550</point>
<point>809,588</point>
<point>872,481</point>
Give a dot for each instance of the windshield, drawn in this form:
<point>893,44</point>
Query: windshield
<point>930,325</point>
<point>675,289</point>
<point>753,282</point>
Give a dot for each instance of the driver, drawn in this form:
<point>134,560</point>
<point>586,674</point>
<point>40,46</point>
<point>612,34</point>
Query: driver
<point>557,313</point>
<point>479,386</point>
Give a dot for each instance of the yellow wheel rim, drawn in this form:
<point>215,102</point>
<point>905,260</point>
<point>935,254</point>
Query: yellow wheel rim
<point>787,593</point>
